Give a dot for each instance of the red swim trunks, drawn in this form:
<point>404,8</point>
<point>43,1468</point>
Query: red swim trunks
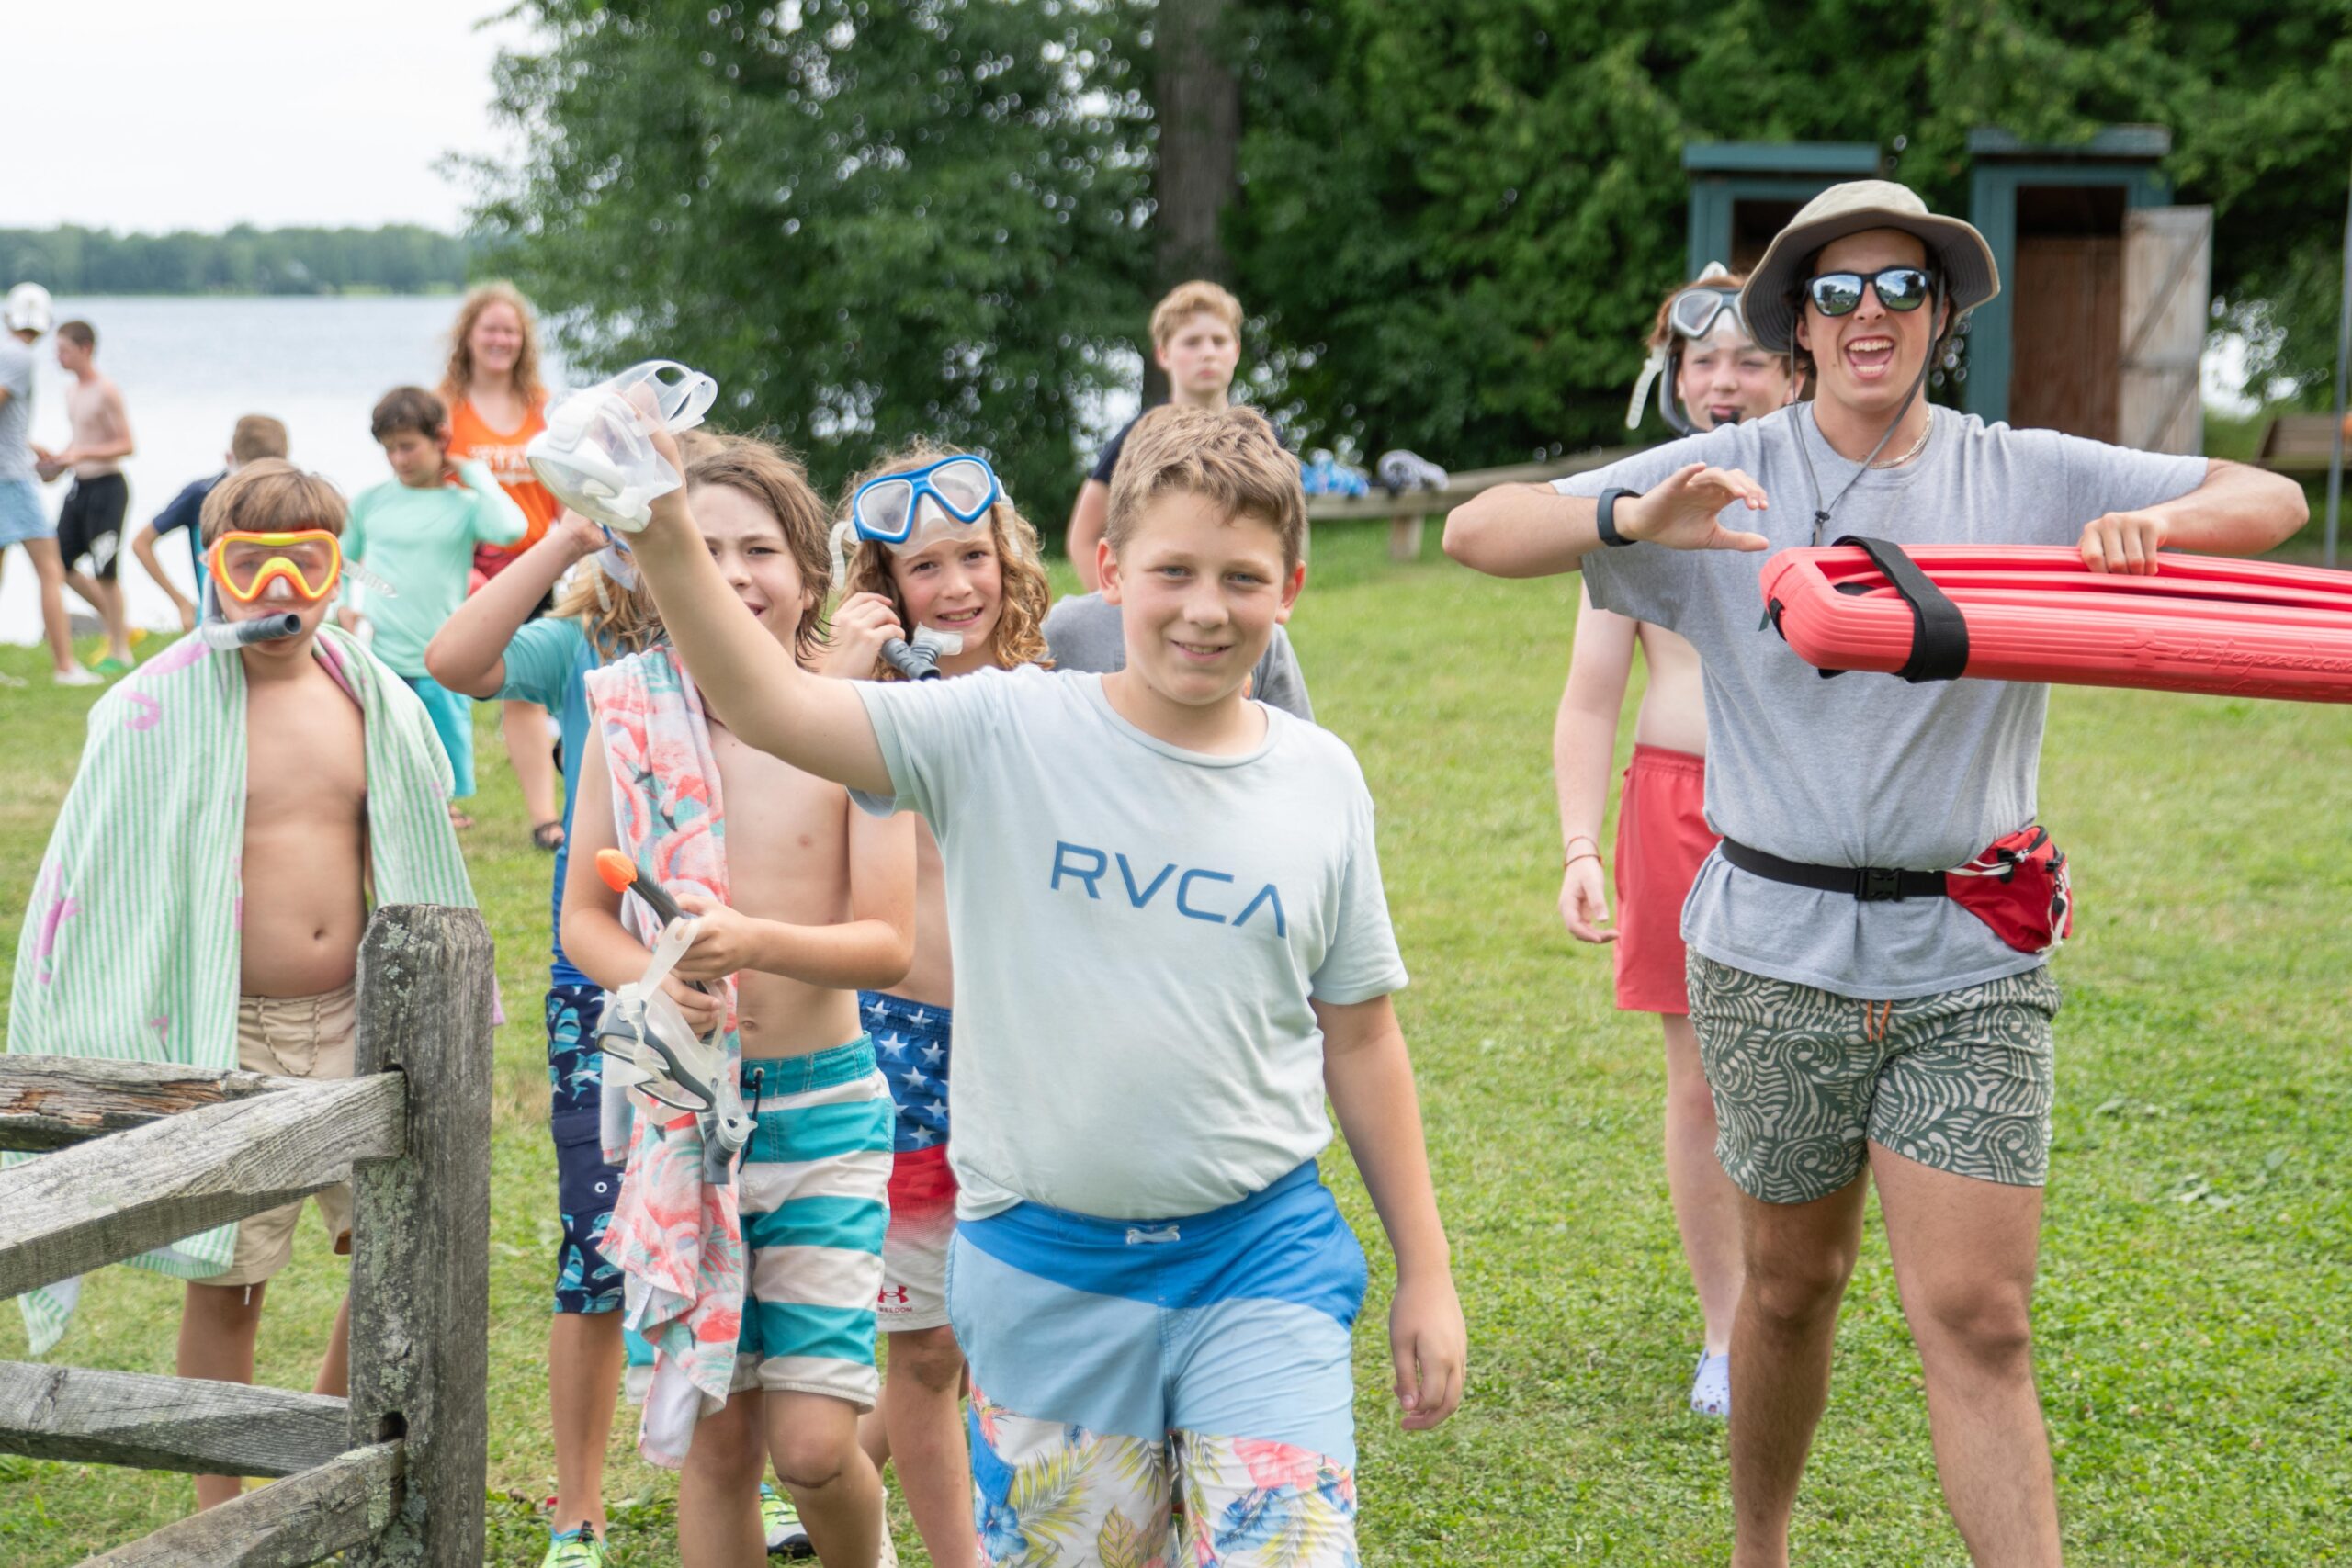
<point>1662,835</point>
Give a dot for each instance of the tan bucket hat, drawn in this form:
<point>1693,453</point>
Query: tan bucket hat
<point>1955,249</point>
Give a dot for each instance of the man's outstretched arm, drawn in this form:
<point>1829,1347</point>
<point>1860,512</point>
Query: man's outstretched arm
<point>1534,531</point>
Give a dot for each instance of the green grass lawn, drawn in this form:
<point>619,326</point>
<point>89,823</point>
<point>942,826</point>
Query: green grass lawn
<point>2192,1317</point>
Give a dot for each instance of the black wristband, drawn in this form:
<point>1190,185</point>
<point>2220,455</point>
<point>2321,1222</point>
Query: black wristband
<point>1605,520</point>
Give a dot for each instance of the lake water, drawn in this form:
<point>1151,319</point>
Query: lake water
<point>189,368</point>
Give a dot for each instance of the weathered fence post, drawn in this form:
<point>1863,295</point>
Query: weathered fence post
<point>420,1274</point>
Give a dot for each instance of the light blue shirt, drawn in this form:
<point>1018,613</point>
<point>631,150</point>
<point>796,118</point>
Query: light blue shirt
<point>1140,932</point>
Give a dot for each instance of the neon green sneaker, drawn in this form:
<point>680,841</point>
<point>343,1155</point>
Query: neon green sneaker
<point>788,1536</point>
<point>574,1549</point>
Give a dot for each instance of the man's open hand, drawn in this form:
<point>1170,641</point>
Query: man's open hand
<point>1680,510</point>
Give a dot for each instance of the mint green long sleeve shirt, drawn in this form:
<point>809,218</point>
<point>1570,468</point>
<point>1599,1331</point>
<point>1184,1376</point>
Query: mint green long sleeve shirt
<point>420,544</point>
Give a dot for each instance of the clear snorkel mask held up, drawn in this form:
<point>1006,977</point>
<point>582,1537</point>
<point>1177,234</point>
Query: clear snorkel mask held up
<point>907,511</point>
<point>1691,317</point>
<point>597,453</point>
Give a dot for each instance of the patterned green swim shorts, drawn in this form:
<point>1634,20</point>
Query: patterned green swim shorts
<point>1803,1079</point>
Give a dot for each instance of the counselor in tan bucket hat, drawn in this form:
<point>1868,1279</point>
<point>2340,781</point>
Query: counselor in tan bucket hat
<point>1939,1088</point>
<point>1957,254</point>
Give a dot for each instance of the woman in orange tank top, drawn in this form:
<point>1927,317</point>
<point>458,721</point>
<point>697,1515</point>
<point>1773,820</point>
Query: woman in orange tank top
<point>496,404</point>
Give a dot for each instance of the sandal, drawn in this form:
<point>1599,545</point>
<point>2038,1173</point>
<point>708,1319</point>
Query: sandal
<point>548,836</point>
<point>459,820</point>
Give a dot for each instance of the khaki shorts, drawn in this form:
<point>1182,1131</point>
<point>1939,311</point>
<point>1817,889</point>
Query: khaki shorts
<point>293,1037</point>
<point>1805,1080</point>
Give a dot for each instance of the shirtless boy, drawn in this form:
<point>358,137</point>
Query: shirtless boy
<point>91,522</point>
<point>205,890</point>
<point>820,902</point>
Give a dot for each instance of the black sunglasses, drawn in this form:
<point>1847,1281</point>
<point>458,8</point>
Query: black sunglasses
<point>1900,288</point>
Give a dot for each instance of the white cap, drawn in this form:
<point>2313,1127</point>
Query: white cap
<point>28,308</point>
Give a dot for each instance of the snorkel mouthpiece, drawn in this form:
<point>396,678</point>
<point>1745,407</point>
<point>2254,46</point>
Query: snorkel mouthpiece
<point>226,635</point>
<point>919,660</point>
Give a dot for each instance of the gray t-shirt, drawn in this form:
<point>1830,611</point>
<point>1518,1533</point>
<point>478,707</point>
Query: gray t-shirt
<point>1861,770</point>
<point>1139,934</point>
<point>17,413</point>
<point>1087,632</point>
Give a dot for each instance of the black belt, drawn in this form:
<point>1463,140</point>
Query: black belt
<point>1870,884</point>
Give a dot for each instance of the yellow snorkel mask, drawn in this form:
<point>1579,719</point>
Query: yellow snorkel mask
<point>309,562</point>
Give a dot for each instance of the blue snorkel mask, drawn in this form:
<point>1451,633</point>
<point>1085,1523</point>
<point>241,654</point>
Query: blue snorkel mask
<point>908,510</point>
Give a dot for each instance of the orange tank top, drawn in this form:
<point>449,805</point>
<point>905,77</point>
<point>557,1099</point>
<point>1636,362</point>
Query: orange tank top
<point>501,451</point>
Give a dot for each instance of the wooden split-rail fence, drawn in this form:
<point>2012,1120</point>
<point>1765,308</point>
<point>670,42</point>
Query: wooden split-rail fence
<point>1408,511</point>
<point>146,1153</point>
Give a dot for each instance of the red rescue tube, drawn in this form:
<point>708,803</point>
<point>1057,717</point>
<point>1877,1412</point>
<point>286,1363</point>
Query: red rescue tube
<point>2036,612</point>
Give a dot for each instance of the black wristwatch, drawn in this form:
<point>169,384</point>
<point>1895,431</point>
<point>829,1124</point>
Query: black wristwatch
<point>1606,519</point>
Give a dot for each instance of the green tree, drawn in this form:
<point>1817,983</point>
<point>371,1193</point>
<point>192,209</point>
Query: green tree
<point>869,219</point>
<point>1455,217</point>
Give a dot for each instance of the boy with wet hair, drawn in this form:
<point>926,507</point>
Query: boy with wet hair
<point>416,535</point>
<point>203,897</point>
<point>1154,837</point>
<point>1083,632</point>
<point>256,436</point>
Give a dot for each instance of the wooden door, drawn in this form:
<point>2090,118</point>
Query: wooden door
<point>2168,286</point>
<point>2065,333</point>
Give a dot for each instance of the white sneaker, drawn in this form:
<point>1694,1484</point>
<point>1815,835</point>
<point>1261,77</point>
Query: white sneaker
<point>1711,1386</point>
<point>889,1558</point>
<point>79,676</point>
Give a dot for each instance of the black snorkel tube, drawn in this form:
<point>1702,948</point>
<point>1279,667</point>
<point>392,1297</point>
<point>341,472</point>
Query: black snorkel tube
<point>226,636</point>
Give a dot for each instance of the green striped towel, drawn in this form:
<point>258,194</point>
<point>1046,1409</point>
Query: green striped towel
<point>130,950</point>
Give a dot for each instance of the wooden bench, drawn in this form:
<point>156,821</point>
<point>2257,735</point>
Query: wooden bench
<point>2298,444</point>
<point>1408,511</point>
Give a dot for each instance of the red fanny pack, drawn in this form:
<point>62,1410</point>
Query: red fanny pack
<point>2018,885</point>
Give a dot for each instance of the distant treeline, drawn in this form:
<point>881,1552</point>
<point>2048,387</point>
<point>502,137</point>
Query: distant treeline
<point>400,258</point>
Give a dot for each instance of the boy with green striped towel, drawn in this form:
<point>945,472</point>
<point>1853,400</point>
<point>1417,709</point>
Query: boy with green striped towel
<point>205,891</point>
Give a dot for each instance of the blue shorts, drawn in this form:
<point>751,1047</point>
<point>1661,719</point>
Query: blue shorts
<point>814,1186</point>
<point>586,1188</point>
<point>1210,1352</point>
<point>22,516</point>
<point>453,721</point>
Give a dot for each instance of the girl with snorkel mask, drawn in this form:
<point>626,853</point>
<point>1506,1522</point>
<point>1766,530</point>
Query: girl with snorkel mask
<point>942,578</point>
<point>1707,371</point>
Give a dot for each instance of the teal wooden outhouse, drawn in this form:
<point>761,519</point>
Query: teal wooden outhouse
<point>2104,289</point>
<point>1743,193</point>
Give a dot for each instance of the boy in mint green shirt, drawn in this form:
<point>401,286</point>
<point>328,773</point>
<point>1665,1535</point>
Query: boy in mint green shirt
<point>416,537</point>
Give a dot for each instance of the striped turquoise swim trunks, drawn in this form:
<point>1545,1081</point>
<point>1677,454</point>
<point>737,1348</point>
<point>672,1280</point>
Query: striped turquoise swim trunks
<point>815,1183</point>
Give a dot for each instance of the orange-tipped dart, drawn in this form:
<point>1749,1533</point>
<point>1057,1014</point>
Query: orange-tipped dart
<point>620,875</point>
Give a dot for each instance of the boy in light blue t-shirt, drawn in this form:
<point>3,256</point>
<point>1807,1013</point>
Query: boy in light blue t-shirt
<point>416,536</point>
<point>1171,945</point>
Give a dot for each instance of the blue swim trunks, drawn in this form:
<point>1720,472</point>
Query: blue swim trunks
<point>814,1185</point>
<point>1209,1352</point>
<point>586,1188</point>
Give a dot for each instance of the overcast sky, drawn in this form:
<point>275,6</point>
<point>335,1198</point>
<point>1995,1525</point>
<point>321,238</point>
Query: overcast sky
<point>197,114</point>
